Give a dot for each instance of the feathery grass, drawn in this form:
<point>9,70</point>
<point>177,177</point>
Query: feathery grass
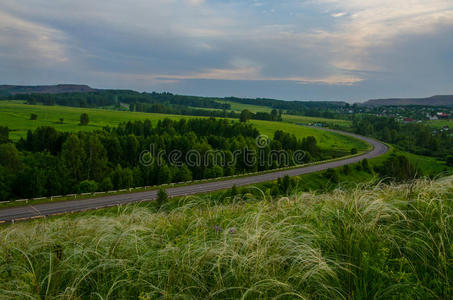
<point>373,242</point>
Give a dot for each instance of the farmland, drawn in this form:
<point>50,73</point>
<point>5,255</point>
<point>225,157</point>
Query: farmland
<point>17,117</point>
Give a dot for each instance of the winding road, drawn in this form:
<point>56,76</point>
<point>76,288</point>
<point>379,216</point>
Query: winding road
<point>56,208</point>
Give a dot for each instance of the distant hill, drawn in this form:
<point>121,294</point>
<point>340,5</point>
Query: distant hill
<point>446,100</point>
<point>6,90</point>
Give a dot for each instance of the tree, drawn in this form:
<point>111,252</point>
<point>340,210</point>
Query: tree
<point>61,120</point>
<point>33,116</point>
<point>4,134</point>
<point>106,184</point>
<point>245,116</point>
<point>10,157</point>
<point>183,174</point>
<point>87,186</point>
<point>164,174</point>
<point>354,151</point>
<point>274,115</point>
<point>285,184</point>
<point>162,197</point>
<point>366,166</point>
<point>84,120</point>
<point>73,157</point>
<point>96,157</point>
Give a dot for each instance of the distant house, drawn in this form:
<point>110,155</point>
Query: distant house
<point>442,115</point>
<point>408,120</point>
<point>433,118</point>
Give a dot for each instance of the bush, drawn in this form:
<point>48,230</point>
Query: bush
<point>354,151</point>
<point>346,170</point>
<point>106,184</point>
<point>33,116</point>
<point>366,166</point>
<point>162,197</point>
<point>87,186</point>
<point>399,168</point>
<point>332,175</point>
<point>450,161</point>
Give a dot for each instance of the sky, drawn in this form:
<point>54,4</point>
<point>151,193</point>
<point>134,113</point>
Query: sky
<point>350,50</point>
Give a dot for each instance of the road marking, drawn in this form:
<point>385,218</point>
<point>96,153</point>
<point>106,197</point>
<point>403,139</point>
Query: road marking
<point>35,209</point>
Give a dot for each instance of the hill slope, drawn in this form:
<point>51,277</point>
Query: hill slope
<point>6,90</point>
<point>389,241</point>
<point>446,100</point>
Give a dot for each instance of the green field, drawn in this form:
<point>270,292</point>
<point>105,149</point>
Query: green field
<point>17,117</point>
<point>238,107</point>
<point>306,120</point>
<point>440,123</point>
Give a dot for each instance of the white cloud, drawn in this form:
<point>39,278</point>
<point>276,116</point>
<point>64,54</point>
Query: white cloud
<point>338,15</point>
<point>378,24</point>
<point>21,39</point>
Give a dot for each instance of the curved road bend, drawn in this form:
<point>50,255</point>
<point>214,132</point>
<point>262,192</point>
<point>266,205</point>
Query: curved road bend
<point>54,208</point>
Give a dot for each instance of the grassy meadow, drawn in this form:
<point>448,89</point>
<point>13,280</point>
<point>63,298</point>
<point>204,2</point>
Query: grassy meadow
<point>238,107</point>
<point>440,123</point>
<point>17,117</point>
<point>382,242</point>
<point>306,120</point>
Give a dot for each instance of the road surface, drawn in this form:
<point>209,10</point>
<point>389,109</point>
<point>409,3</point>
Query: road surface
<point>56,208</point>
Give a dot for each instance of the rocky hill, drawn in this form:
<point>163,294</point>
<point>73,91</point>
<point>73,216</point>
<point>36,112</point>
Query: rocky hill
<point>44,89</point>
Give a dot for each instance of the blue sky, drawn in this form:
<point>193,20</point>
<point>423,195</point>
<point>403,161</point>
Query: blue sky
<point>349,50</point>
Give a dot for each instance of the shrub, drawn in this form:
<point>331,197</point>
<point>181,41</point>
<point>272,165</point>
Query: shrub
<point>162,197</point>
<point>399,168</point>
<point>332,175</point>
<point>87,186</point>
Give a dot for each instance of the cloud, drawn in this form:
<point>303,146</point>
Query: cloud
<point>375,24</point>
<point>338,15</point>
<point>21,39</point>
<point>343,45</point>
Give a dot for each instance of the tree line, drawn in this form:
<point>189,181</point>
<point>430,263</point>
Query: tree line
<point>49,162</point>
<point>415,138</point>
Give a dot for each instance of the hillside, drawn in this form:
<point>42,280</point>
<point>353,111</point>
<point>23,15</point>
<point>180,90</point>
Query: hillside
<point>6,90</point>
<point>446,100</point>
<point>381,242</point>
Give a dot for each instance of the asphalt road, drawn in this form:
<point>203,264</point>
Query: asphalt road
<point>56,208</point>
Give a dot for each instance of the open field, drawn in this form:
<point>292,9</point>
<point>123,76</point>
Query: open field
<point>17,118</point>
<point>440,123</point>
<point>306,120</point>
<point>238,107</point>
<point>353,244</point>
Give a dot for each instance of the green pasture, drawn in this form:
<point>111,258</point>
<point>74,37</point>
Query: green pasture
<point>16,116</point>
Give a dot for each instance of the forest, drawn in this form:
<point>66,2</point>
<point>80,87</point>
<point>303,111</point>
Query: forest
<point>415,138</point>
<point>49,162</point>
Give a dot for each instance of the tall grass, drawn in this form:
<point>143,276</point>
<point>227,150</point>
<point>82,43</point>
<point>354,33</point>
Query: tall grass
<point>381,242</point>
